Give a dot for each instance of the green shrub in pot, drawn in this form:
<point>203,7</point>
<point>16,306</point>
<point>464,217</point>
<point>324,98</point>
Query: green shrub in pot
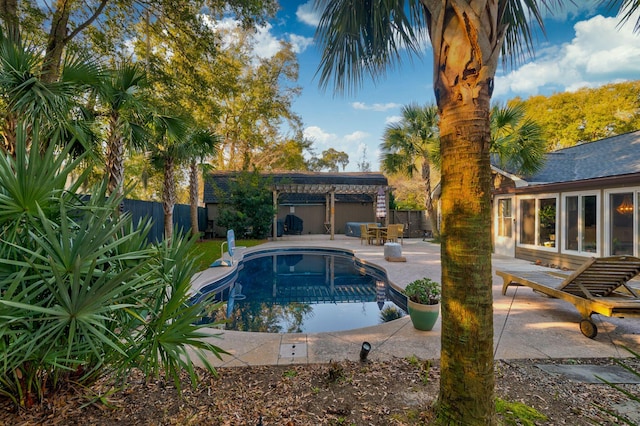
<point>423,302</point>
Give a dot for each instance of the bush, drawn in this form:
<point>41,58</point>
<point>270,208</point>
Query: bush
<point>424,291</point>
<point>247,205</point>
<point>83,294</point>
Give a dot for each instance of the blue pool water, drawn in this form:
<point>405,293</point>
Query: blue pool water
<point>303,291</point>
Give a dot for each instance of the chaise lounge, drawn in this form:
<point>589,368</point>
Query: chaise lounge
<point>599,286</point>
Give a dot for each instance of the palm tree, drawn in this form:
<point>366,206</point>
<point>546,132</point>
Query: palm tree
<point>123,104</point>
<point>28,98</point>
<point>169,149</point>
<point>411,145</point>
<point>467,38</point>
<point>202,144</point>
<point>516,140</point>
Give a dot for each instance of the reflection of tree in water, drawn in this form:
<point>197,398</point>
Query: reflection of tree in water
<point>258,312</point>
<point>268,318</point>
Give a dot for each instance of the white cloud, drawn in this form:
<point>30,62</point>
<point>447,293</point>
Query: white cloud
<point>308,14</point>
<point>266,45</point>
<point>300,43</point>
<point>374,107</point>
<point>319,136</point>
<point>601,52</point>
<point>358,135</point>
<point>392,119</point>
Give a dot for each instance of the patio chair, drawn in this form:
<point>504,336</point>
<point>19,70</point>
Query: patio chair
<point>400,227</point>
<point>364,234</point>
<point>599,286</point>
<point>392,234</point>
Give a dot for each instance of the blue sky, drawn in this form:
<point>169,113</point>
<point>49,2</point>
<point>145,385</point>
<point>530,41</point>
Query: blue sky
<point>585,47</point>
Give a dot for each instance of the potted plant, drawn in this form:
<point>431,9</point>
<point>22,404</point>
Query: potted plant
<point>423,302</point>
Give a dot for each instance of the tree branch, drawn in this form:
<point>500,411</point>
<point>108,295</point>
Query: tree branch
<point>88,22</point>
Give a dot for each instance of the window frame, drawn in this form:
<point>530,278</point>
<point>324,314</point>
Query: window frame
<point>537,245</point>
<point>563,220</point>
<point>635,191</point>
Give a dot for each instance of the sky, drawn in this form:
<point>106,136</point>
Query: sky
<point>584,46</point>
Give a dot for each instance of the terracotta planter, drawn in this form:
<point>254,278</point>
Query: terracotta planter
<point>423,317</point>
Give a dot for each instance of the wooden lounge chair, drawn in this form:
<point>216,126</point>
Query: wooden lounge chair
<point>600,286</point>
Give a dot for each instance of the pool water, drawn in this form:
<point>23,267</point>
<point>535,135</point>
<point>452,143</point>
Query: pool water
<point>304,292</point>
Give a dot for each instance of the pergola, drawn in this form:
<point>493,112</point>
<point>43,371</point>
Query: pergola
<point>329,190</point>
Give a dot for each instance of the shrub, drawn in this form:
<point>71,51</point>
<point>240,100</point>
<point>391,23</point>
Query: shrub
<point>424,291</point>
<point>83,294</point>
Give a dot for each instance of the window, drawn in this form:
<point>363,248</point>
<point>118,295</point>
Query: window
<point>505,218</point>
<point>547,222</point>
<point>538,221</point>
<point>581,223</point>
<point>621,210</point>
<point>527,222</point>
<point>589,218</point>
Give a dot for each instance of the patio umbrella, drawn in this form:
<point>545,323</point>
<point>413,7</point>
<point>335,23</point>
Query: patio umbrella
<point>381,204</point>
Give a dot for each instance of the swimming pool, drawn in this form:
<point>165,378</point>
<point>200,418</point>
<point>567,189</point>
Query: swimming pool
<point>303,291</point>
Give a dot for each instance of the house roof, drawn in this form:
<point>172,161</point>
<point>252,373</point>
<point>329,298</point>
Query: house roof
<point>354,187</point>
<point>614,156</point>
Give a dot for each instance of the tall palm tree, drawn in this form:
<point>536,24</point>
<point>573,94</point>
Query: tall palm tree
<point>122,103</point>
<point>201,144</point>
<point>467,38</point>
<point>169,149</point>
<point>410,146</point>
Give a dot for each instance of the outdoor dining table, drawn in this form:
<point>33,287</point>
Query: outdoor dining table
<point>378,232</point>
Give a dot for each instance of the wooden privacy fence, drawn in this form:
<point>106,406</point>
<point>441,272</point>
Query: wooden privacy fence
<point>415,222</point>
<point>181,217</point>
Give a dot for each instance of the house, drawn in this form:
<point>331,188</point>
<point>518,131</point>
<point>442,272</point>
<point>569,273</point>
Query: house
<point>583,203</point>
<point>325,202</point>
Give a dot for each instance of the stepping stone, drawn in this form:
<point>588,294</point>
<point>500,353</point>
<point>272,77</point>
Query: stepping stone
<point>587,373</point>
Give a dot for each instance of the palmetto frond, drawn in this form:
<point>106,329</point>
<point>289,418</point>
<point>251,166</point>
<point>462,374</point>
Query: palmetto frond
<point>518,141</point>
<point>410,142</point>
<point>626,9</point>
<point>368,37</point>
<point>365,37</point>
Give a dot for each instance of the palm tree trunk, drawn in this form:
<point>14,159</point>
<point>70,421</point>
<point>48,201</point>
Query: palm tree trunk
<point>9,15</point>
<point>114,158</point>
<point>431,211</point>
<point>168,197</point>
<point>466,42</point>
<point>193,196</point>
<point>467,380</point>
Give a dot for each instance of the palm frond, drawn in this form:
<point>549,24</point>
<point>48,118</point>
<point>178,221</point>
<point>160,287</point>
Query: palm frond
<point>365,37</point>
<point>517,17</point>
<point>626,10</point>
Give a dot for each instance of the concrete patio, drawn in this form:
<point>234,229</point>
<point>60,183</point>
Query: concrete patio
<point>526,324</point>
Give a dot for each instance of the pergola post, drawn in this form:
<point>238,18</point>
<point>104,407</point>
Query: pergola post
<point>275,215</point>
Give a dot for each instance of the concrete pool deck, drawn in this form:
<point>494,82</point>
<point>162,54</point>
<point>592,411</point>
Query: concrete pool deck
<point>526,324</point>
